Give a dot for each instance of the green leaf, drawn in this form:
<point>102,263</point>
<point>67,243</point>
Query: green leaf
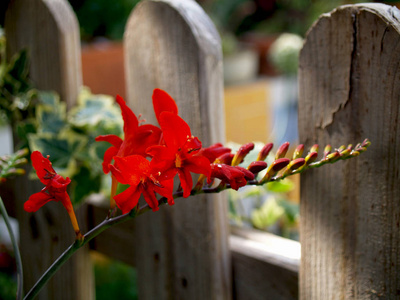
<point>61,148</point>
<point>93,110</point>
<point>268,214</point>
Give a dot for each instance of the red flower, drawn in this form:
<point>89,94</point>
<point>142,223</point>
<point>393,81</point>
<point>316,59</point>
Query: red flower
<point>137,171</point>
<point>55,189</point>
<point>136,138</point>
<point>179,153</point>
<point>163,102</point>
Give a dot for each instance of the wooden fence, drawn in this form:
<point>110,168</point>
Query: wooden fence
<point>349,90</point>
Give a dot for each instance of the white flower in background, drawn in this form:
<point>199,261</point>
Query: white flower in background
<point>284,53</point>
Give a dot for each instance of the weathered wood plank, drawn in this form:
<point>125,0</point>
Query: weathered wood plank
<point>350,212</point>
<point>183,250</point>
<point>265,266</point>
<point>49,30</point>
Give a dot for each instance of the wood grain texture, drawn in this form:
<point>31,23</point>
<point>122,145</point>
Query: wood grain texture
<point>49,30</point>
<point>265,266</point>
<point>182,251</point>
<point>349,89</point>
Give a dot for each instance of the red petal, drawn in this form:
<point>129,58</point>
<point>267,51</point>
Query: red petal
<point>176,131</point>
<point>108,156</point>
<point>198,165</point>
<point>150,198</point>
<point>166,190</point>
<point>43,167</point>
<point>146,136</point>
<point>186,182</point>
<point>163,102</point>
<point>36,201</point>
<point>128,199</point>
<point>130,169</point>
<point>114,140</point>
<point>131,122</point>
<point>59,182</point>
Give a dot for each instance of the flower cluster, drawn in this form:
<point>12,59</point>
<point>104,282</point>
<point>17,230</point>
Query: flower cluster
<point>149,157</point>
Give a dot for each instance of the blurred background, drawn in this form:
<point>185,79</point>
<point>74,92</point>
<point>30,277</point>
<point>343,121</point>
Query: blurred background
<point>261,40</point>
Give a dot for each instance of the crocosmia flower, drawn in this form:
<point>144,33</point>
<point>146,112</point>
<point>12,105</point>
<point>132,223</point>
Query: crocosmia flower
<point>55,189</point>
<point>179,154</point>
<point>137,171</point>
<point>137,138</point>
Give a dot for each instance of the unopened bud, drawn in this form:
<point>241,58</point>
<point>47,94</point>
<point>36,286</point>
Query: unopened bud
<point>327,150</point>
<point>298,152</point>
<point>282,151</point>
<point>241,153</point>
<point>247,174</point>
<point>265,151</point>
<point>366,143</point>
<point>294,165</point>
<point>20,162</point>
<point>333,157</point>
<point>311,157</point>
<point>274,168</point>
<point>314,148</point>
<point>225,159</point>
<point>354,153</point>
<point>22,153</point>
<point>362,149</point>
<point>257,166</point>
<point>345,153</point>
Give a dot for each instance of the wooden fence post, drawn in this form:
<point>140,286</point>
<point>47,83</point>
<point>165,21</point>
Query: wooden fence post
<point>50,32</point>
<point>181,251</point>
<point>350,212</point>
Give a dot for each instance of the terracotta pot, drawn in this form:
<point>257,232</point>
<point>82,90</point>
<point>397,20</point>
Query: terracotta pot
<point>103,68</point>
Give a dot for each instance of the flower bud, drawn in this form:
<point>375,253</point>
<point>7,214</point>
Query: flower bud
<point>366,143</point>
<point>247,174</point>
<point>333,157</point>
<point>311,157</point>
<point>294,165</point>
<point>257,166</point>
<point>241,153</point>
<point>298,152</point>
<point>225,159</point>
<point>282,150</point>
<point>22,153</point>
<point>274,168</point>
<point>314,148</point>
<point>327,150</point>
<point>264,151</point>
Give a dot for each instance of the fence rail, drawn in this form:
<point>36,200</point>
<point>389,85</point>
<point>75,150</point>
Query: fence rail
<point>349,90</point>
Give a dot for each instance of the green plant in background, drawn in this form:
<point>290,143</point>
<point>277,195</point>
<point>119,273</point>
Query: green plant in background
<point>284,53</point>
<point>265,207</point>
<point>16,93</point>
<point>100,18</point>
<point>68,137</point>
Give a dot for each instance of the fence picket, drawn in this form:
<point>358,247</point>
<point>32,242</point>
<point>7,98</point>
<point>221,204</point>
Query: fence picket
<point>49,30</point>
<point>350,213</point>
<point>181,253</point>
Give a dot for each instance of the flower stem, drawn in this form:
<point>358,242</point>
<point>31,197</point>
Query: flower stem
<point>16,251</point>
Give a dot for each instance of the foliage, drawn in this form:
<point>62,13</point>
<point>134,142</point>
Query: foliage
<point>16,93</point>
<point>10,165</point>
<point>97,18</point>
<point>69,137</point>
<point>114,280</point>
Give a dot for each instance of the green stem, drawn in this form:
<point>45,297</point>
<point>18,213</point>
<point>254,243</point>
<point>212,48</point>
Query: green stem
<point>16,251</point>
